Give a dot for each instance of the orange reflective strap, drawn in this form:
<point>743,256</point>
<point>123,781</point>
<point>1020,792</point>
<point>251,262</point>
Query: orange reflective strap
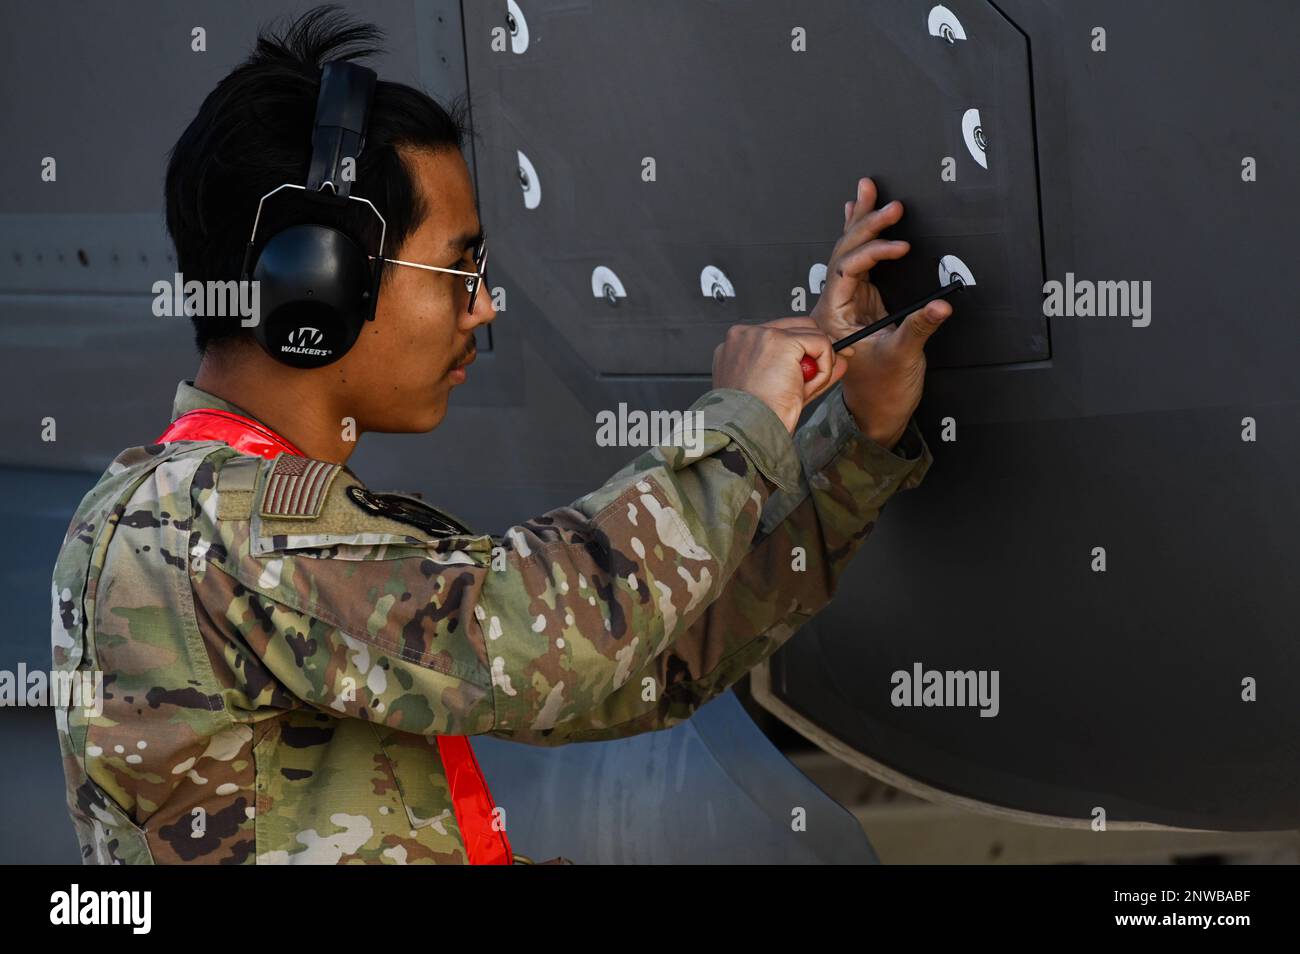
<point>243,434</point>
<point>470,798</point>
<point>472,803</point>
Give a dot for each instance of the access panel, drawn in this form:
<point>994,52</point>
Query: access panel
<point>656,172</point>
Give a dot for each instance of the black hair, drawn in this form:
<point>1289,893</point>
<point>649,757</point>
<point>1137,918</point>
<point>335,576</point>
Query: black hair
<point>253,133</point>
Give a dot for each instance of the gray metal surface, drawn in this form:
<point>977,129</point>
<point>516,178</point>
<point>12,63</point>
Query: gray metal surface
<point>744,138</point>
<point>1119,689</point>
<point>712,790</point>
<point>35,508</point>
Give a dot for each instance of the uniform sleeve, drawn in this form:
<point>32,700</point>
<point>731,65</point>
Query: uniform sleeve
<point>350,611</point>
<point>806,540</point>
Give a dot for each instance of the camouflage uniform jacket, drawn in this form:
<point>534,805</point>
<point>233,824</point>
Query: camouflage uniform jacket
<point>275,676</point>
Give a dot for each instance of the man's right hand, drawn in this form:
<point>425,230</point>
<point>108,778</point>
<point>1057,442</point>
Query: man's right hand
<point>763,360</point>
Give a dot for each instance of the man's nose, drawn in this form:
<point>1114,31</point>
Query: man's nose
<point>484,311</point>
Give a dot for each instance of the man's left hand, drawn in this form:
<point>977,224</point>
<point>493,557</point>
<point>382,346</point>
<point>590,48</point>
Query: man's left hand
<point>886,370</point>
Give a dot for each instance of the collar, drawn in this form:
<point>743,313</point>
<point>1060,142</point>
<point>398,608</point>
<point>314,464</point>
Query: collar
<point>198,415</point>
<point>189,398</point>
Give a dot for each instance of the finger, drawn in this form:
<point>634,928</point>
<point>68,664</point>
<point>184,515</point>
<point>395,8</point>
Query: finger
<point>822,383</point>
<point>860,260</point>
<point>867,223</point>
<point>815,345</point>
<point>838,370</point>
<point>917,327</point>
<point>861,205</point>
<point>852,267</point>
<point>792,323</point>
<point>863,223</point>
<point>864,199</point>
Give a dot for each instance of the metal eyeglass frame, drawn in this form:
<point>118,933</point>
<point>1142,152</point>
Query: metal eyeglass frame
<point>473,280</point>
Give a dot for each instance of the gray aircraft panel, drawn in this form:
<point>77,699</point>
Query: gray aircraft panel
<point>1124,687</point>
<point>712,790</point>
<point>1119,689</point>
<point>565,168</point>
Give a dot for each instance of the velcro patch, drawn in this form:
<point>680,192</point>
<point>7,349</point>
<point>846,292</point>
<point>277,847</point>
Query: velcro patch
<point>296,487</point>
<point>235,485</point>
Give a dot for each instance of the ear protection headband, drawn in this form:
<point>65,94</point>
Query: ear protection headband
<point>317,285</point>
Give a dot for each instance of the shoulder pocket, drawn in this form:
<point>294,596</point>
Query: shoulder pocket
<point>408,510</point>
<point>297,507</point>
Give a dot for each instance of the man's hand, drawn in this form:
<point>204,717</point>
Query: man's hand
<point>886,370</point>
<point>764,361</point>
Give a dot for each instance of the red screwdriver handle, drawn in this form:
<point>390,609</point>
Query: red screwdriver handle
<point>809,367</point>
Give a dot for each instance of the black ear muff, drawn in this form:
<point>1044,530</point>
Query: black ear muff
<point>316,285</point>
<point>315,293</point>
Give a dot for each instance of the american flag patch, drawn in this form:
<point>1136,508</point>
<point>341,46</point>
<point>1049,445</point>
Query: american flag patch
<point>297,486</point>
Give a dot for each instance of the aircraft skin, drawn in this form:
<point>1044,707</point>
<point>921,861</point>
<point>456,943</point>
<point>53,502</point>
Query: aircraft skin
<point>1109,514</point>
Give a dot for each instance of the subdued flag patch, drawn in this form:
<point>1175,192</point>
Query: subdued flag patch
<point>297,486</point>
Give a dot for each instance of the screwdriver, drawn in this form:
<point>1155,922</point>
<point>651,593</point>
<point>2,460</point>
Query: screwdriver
<point>809,365</point>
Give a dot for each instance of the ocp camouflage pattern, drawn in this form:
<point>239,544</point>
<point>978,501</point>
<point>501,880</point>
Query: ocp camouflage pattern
<point>274,685</point>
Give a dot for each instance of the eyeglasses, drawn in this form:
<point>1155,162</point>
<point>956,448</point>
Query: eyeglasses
<point>473,279</point>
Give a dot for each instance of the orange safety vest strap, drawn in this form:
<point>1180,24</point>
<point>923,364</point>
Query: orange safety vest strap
<point>485,840</point>
<point>243,434</point>
<point>470,798</point>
